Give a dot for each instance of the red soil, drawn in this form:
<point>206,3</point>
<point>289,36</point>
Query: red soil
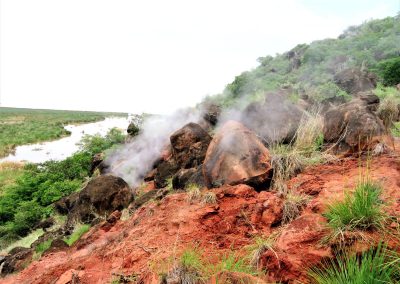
<point>148,241</point>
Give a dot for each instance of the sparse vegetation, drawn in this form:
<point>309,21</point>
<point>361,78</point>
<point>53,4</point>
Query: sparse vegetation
<point>79,230</point>
<point>360,210</point>
<point>189,269</point>
<point>373,266</point>
<point>233,262</point>
<point>309,68</point>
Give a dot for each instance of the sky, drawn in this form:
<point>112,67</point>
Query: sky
<point>153,56</point>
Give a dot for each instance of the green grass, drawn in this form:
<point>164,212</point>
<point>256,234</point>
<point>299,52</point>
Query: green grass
<point>77,234</point>
<point>9,173</point>
<point>233,262</point>
<point>360,210</point>
<point>42,247</point>
<point>24,126</point>
<point>373,266</point>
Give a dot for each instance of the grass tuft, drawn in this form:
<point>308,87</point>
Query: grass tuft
<point>258,248</point>
<point>360,210</point>
<point>209,198</point>
<point>193,193</point>
<point>373,266</point>
<point>189,269</point>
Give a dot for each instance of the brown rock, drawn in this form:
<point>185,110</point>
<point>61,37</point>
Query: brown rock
<point>189,145</point>
<point>101,196</point>
<point>235,156</point>
<point>354,126</point>
<point>17,259</point>
<point>353,80</point>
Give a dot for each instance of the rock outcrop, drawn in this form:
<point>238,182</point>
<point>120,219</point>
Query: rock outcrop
<point>354,126</point>
<point>235,156</point>
<point>354,80</point>
<point>102,196</point>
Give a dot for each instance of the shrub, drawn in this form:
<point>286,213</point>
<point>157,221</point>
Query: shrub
<point>371,267</point>
<point>360,210</point>
<point>389,70</point>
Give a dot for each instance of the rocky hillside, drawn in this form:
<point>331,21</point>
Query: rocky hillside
<point>277,190</point>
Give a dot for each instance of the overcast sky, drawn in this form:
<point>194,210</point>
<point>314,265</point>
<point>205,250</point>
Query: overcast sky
<point>155,55</point>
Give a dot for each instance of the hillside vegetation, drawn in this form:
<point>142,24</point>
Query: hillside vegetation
<point>309,69</point>
<point>23,126</point>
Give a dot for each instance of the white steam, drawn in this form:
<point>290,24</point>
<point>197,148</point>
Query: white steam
<point>137,157</point>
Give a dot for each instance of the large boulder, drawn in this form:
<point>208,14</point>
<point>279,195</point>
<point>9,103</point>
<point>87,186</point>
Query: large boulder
<point>354,80</point>
<point>17,259</point>
<point>354,126</point>
<point>275,120</point>
<point>235,156</point>
<point>189,145</point>
<point>102,196</point>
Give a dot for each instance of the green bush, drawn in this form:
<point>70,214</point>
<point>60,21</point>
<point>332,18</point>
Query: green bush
<point>389,70</point>
<point>96,143</point>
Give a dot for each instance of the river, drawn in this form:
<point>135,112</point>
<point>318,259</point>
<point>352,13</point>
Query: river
<point>64,147</point>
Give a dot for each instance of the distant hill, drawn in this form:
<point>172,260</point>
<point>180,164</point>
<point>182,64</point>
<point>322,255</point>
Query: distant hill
<point>309,68</point>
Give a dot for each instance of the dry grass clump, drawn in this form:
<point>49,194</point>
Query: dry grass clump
<point>293,205</point>
<point>286,163</point>
<point>193,193</point>
<point>309,137</point>
<point>388,111</point>
<point>259,247</point>
<point>11,166</point>
<point>209,197</point>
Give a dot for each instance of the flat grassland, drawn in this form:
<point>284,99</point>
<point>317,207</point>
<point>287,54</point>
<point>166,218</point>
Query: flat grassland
<point>20,126</point>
